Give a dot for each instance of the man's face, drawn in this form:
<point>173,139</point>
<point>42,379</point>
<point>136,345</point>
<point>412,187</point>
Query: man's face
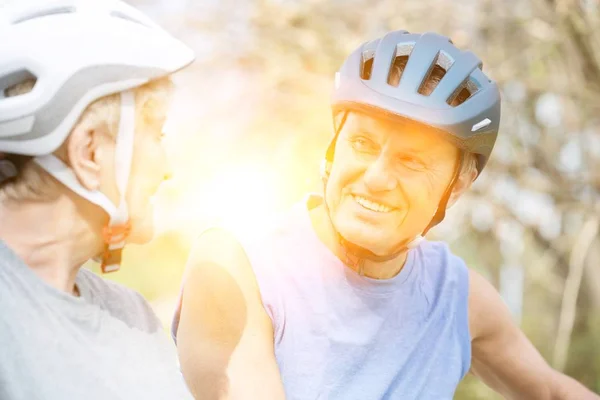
<point>386,181</point>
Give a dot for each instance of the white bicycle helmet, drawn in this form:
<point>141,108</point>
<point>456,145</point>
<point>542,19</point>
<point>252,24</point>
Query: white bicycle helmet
<point>78,51</point>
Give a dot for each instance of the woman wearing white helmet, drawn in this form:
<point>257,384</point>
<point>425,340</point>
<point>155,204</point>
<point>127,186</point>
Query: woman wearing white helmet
<point>84,90</point>
<point>345,299</point>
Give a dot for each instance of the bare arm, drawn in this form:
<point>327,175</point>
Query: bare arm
<point>225,337</point>
<point>504,359</point>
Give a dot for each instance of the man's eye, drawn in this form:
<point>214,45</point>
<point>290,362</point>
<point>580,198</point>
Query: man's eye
<point>411,162</point>
<point>363,144</point>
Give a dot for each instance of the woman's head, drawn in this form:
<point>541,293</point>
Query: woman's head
<point>87,114</point>
<point>89,151</point>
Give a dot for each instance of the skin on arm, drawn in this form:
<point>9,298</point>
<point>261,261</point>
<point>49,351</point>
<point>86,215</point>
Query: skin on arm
<point>502,356</point>
<point>225,336</point>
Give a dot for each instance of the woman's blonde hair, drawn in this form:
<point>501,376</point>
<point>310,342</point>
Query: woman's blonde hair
<point>33,183</point>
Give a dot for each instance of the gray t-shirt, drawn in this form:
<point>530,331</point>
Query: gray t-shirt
<point>106,344</point>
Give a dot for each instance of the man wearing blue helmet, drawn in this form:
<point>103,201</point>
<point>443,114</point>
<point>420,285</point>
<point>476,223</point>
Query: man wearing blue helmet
<point>345,299</point>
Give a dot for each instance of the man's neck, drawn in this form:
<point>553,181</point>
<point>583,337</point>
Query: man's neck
<point>377,270</point>
<point>50,237</point>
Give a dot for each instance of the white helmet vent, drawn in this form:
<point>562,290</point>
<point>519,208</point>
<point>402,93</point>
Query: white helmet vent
<point>44,13</point>
<point>14,78</point>
<point>119,14</point>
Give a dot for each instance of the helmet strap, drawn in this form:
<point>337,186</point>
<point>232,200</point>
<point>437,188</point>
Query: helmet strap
<point>440,213</point>
<point>119,227</point>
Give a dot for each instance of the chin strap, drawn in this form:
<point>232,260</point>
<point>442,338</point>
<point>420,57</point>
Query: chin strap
<point>119,227</point>
<point>115,233</point>
<point>356,255</point>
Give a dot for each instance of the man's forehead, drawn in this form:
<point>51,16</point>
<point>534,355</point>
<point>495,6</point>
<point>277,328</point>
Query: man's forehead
<point>401,128</point>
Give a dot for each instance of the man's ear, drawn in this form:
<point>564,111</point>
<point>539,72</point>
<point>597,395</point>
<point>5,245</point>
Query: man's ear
<point>464,182</point>
<point>84,154</point>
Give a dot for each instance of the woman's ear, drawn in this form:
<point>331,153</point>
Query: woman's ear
<point>83,148</point>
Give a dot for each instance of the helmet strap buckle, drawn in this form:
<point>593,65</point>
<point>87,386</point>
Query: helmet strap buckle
<point>114,238</point>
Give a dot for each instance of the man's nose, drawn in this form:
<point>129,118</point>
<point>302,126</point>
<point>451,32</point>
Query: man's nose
<point>379,177</point>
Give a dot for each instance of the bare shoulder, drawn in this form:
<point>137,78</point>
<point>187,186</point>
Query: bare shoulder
<point>225,336</point>
<point>487,310</point>
<point>218,246</point>
<point>220,293</point>
<point>218,268</point>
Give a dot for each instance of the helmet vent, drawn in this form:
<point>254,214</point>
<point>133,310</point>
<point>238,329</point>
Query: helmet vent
<point>119,14</point>
<point>13,79</point>
<point>472,86</point>
<point>45,13</point>
<point>403,51</point>
<point>442,63</point>
<point>366,64</point>
<point>464,92</point>
<point>396,71</point>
